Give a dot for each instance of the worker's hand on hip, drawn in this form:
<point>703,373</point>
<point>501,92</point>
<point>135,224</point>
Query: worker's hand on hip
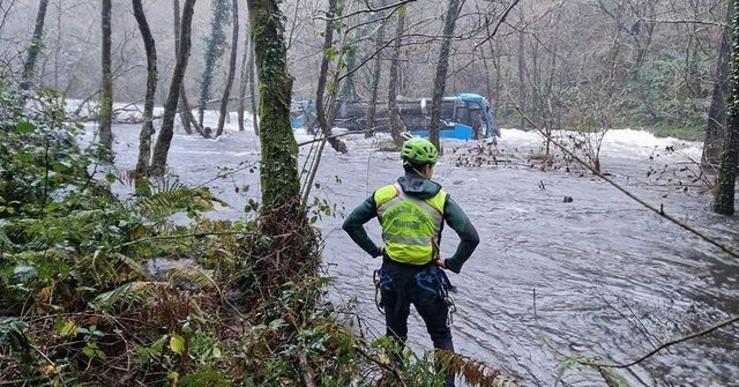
<point>440,262</point>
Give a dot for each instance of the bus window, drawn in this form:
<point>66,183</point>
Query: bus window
<point>447,111</point>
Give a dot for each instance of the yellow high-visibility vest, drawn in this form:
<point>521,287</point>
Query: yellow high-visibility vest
<point>410,226</point>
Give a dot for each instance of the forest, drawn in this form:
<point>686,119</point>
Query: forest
<point>177,176</point>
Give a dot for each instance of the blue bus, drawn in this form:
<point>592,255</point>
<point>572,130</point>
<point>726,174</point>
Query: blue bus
<point>465,116</point>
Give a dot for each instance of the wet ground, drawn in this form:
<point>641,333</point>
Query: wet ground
<point>612,279</point>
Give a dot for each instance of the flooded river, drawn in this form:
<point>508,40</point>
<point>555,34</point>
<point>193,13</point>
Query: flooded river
<point>612,279</point>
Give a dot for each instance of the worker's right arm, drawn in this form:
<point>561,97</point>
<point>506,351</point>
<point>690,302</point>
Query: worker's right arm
<point>459,222</point>
<point>354,226</point>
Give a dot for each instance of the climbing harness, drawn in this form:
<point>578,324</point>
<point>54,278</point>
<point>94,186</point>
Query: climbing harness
<point>380,280</point>
<point>435,280</point>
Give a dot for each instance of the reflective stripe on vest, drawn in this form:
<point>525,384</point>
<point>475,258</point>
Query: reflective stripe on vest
<point>410,226</point>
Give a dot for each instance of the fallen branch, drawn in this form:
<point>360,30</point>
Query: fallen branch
<point>319,139</point>
<point>682,339</point>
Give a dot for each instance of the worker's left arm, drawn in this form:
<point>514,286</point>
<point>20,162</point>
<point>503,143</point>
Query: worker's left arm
<point>458,221</point>
<point>354,226</point>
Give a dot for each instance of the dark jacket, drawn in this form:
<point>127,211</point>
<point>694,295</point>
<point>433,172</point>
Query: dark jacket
<point>422,188</point>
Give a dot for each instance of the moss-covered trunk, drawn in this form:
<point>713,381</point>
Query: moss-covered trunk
<point>161,148</point>
<point>37,42</point>
<point>151,87</point>
<point>231,67</point>
<point>279,167</point>
<point>442,68</point>
<point>726,180</point>
<point>106,96</point>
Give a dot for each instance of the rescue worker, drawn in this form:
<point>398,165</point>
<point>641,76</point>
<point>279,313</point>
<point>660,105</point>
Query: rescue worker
<point>412,213</point>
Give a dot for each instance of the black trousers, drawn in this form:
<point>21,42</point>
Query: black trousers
<point>402,285</point>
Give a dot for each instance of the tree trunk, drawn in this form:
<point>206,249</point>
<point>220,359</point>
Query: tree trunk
<point>243,81</point>
<point>348,87</point>
<point>323,118</point>
<point>184,108</point>
<point>106,95</point>
<point>376,73</point>
<point>214,49</point>
<point>521,70</point>
<point>231,67</point>
<point>253,89</point>
<point>717,112</point>
<point>37,42</point>
<point>442,68</point>
<point>151,87</point>
<point>726,180</point>
<point>279,168</point>
<point>161,148</point>
<point>396,124</point>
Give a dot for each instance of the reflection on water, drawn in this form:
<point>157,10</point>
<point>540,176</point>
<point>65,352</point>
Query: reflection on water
<point>612,279</point>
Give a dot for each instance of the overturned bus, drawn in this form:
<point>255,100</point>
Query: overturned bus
<point>465,116</point>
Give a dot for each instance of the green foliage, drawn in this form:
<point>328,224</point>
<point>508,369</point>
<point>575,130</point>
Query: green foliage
<point>39,157</point>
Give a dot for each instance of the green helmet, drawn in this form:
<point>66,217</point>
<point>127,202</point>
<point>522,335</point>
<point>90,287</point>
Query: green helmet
<point>419,151</point>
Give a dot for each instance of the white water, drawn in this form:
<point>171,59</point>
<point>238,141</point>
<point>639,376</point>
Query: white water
<point>612,279</point>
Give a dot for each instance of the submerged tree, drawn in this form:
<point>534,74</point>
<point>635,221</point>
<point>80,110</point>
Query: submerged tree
<point>396,124</point>
<point>186,116</point>
<point>231,67</point>
<point>324,115</point>
<point>37,42</point>
<point>376,73</point>
<point>215,43</point>
<point>717,112</point>
<point>184,108</point>
<point>142,165</point>
<point>726,180</point>
<point>442,68</point>
<point>161,148</point>
<point>243,82</point>
<point>253,92</point>
<point>106,97</point>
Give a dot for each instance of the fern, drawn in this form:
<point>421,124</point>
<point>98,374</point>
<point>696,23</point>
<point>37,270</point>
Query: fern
<point>169,196</point>
<point>201,279</point>
<point>476,373</point>
<point>128,295</point>
<point>112,267</point>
